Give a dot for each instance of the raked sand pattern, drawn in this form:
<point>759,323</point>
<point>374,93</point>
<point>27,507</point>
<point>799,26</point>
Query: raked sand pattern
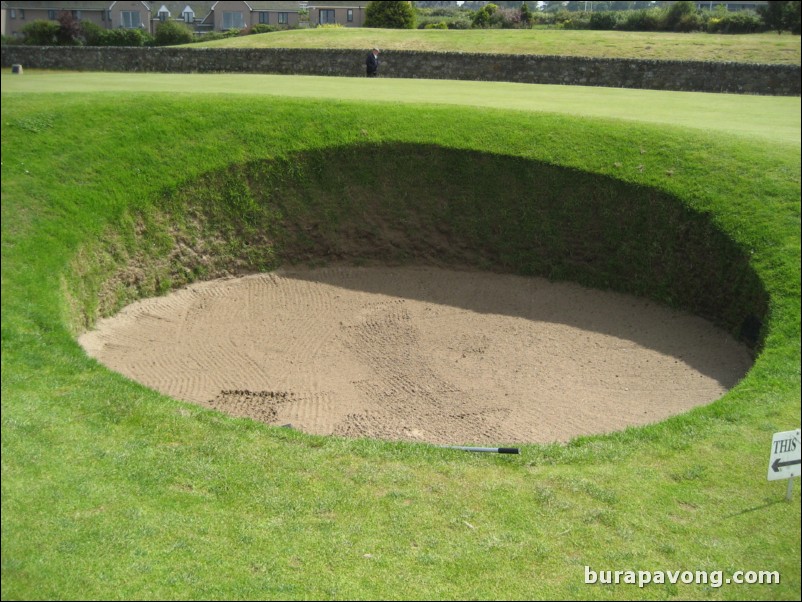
<point>421,354</point>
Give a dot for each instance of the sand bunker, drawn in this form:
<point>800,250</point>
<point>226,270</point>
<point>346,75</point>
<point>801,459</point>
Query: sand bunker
<point>423,354</point>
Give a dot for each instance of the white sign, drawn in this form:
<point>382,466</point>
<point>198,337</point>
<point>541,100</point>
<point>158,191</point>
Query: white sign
<point>784,462</point>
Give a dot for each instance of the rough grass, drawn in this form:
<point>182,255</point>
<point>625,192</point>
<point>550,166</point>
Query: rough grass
<point>746,48</point>
<point>113,491</point>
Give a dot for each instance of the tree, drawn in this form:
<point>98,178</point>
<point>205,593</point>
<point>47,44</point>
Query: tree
<point>484,16</point>
<point>526,15</point>
<point>69,31</point>
<point>781,15</point>
<point>390,15</point>
<point>793,17</point>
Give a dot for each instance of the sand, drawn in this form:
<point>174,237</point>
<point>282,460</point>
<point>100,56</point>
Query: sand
<point>421,354</point>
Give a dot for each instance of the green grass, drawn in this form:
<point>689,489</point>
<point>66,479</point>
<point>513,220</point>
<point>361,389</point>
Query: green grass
<point>113,491</point>
<point>772,118</point>
<point>751,48</point>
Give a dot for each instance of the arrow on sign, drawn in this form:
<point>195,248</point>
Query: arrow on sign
<point>777,465</point>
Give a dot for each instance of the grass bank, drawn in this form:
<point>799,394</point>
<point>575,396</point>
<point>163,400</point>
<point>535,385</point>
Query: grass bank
<point>423,204</point>
<point>751,48</point>
<point>111,490</point>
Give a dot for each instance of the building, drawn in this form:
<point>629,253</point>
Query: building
<point>240,14</point>
<point>347,14</point>
<point>197,16</point>
<point>19,14</point>
<point>201,17</point>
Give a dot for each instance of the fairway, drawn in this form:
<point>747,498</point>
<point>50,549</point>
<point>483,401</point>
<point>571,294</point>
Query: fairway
<point>143,188</point>
<point>769,117</point>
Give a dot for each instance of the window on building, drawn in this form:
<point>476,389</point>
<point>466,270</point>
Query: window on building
<point>129,19</point>
<point>163,16</point>
<point>326,16</point>
<point>189,16</point>
<point>13,13</point>
<point>283,18</point>
<point>76,14</point>
<point>52,15</point>
<point>264,18</point>
<point>22,13</point>
<point>350,15</point>
<point>233,21</point>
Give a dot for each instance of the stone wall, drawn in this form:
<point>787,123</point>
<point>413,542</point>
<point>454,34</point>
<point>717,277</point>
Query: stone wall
<point>739,78</point>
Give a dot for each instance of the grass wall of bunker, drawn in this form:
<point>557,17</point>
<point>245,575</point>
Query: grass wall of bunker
<point>401,203</point>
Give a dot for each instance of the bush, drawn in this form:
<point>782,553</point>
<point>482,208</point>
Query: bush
<point>578,23</point>
<point>423,21</point>
<point>172,33</point>
<point>219,35</point>
<point>127,37</point>
<point>485,16</point>
<point>744,21</point>
<point>264,28</point>
<point>453,18</point>
<point>10,40</point>
<point>40,33</point>
<point>606,20</point>
<point>641,20</point>
<point>461,21</point>
<point>440,25</point>
<point>510,18</point>
<point>93,34</point>
<point>564,19</point>
<point>390,15</point>
<point>440,11</point>
<point>688,23</point>
<point>70,32</point>
<point>681,16</point>
<point>491,16</point>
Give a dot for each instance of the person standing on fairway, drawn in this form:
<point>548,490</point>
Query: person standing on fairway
<point>372,63</point>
